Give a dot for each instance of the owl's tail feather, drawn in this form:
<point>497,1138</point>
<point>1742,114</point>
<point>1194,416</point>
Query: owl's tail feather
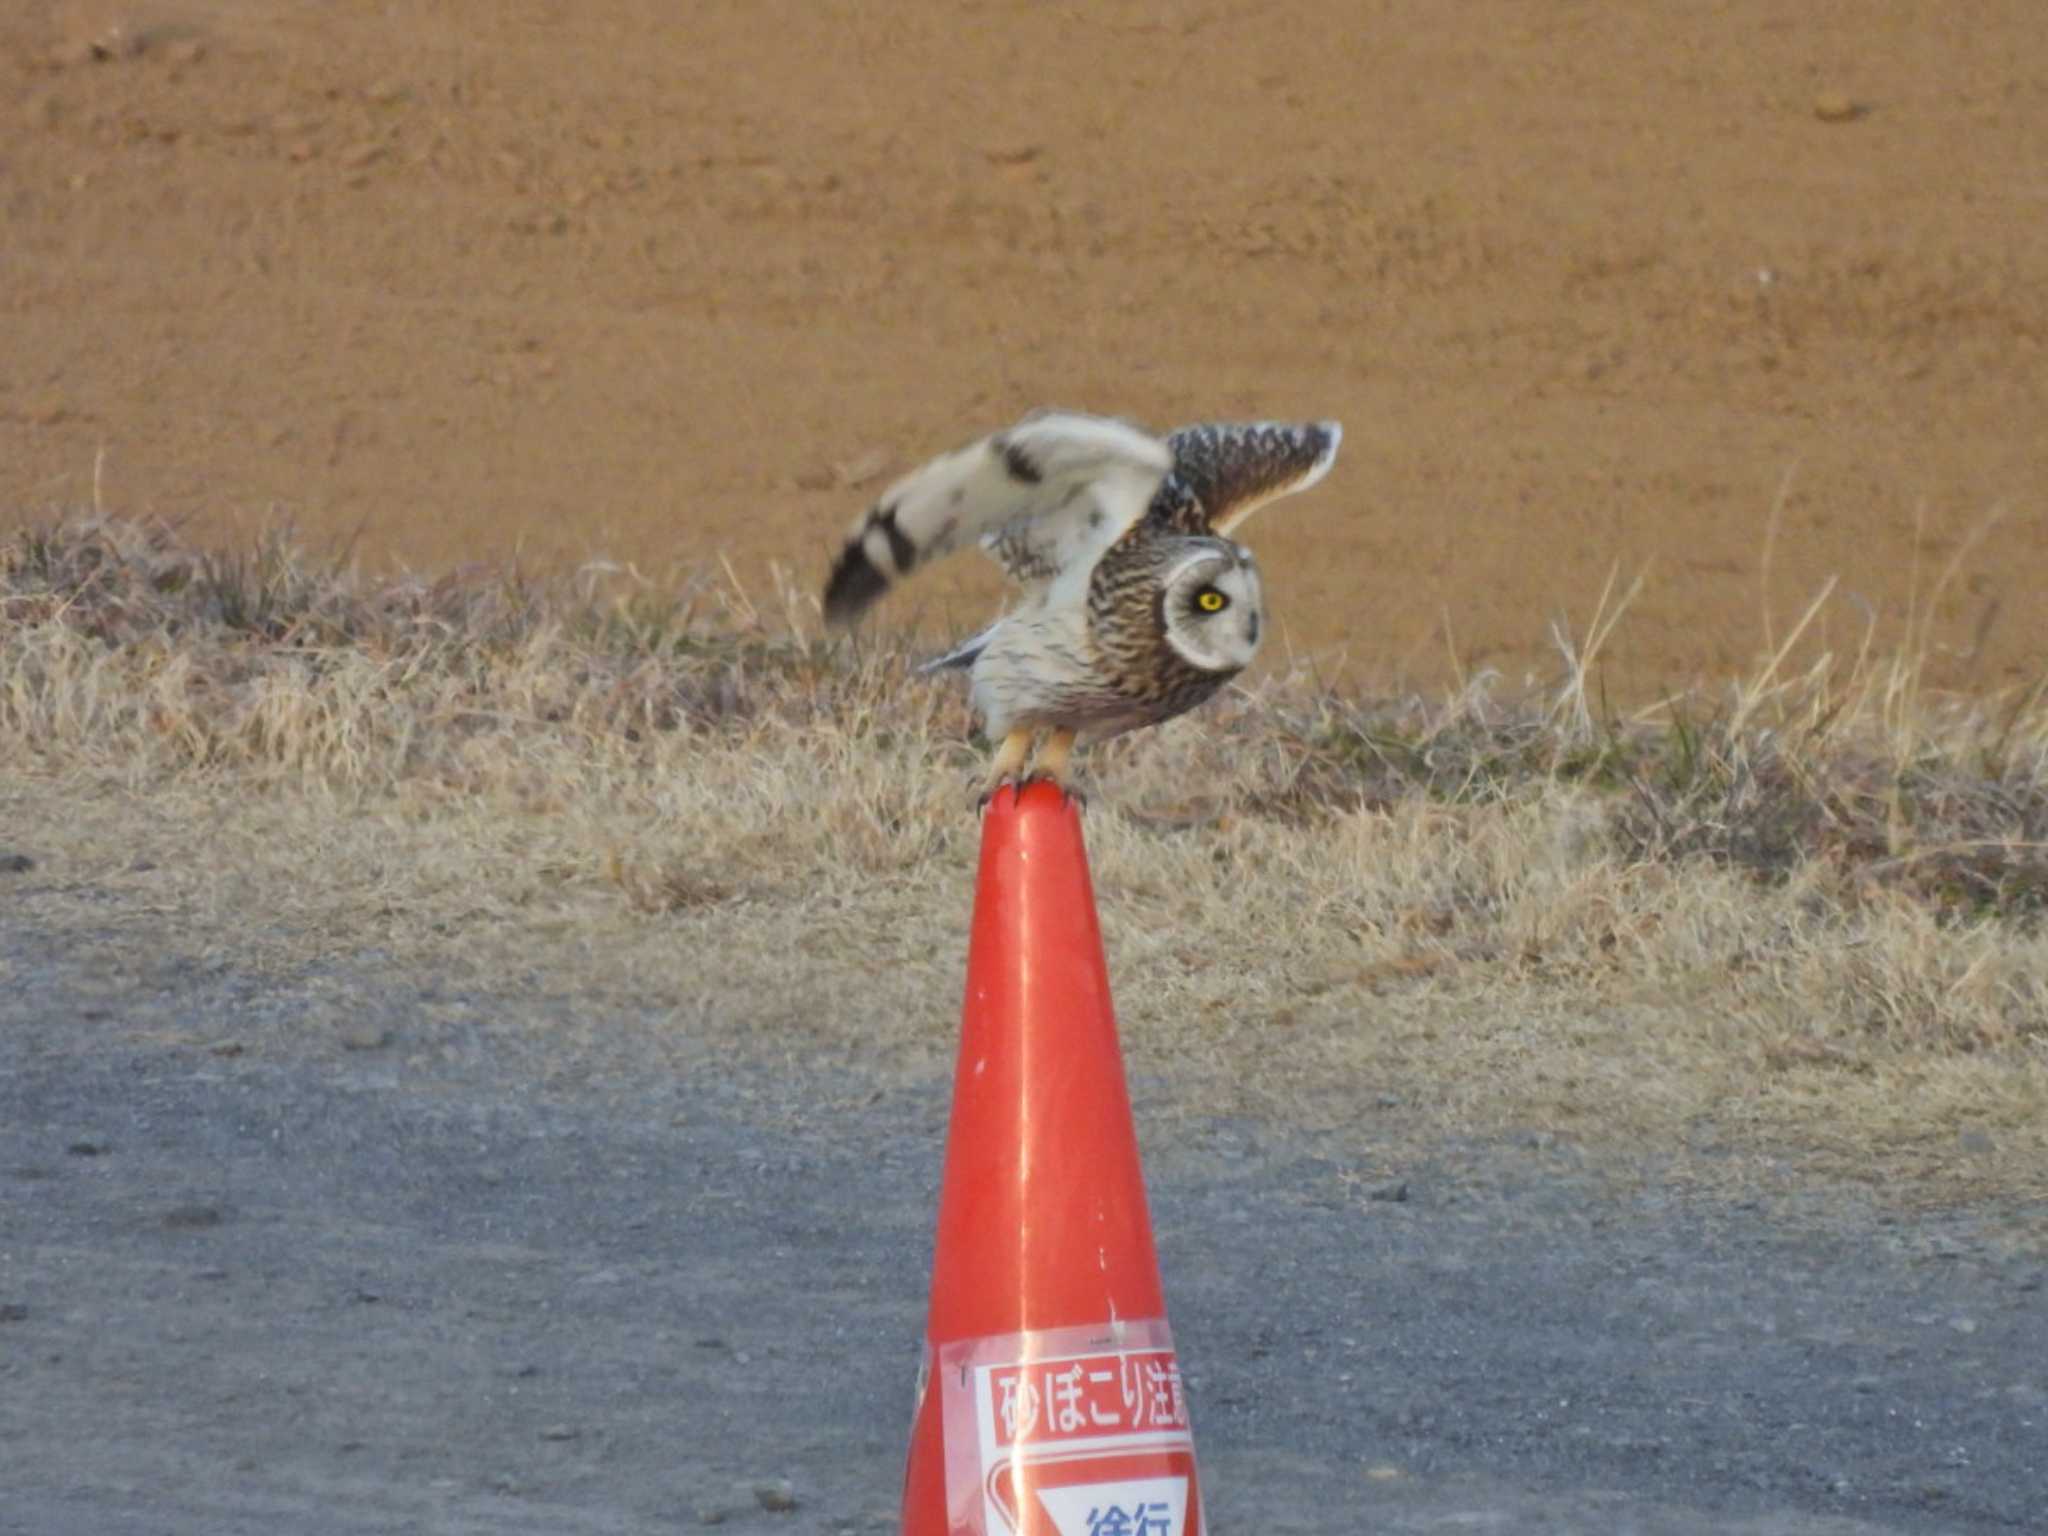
<point>962,655</point>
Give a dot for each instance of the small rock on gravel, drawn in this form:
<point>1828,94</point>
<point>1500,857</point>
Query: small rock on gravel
<point>365,1037</point>
<point>777,1495</point>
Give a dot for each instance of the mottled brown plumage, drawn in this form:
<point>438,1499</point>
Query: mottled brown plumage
<point>1130,622</point>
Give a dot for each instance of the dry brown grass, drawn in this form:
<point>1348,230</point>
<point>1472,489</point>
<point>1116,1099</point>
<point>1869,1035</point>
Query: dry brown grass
<point>1803,919</point>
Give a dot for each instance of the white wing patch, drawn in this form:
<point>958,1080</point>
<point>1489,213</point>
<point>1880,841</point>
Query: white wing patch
<point>1044,497</point>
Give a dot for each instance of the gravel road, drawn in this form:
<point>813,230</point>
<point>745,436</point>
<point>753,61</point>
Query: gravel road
<point>261,1274</point>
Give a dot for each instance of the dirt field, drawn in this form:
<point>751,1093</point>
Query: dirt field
<point>1585,287</point>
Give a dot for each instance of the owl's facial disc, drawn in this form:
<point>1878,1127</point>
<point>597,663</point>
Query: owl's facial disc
<point>1214,608</point>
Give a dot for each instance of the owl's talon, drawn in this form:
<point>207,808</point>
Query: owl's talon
<point>991,788</point>
<point>1069,790</point>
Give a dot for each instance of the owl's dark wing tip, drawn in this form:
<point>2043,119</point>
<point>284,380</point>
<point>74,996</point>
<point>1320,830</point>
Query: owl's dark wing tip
<point>854,585</point>
<point>858,575</point>
<point>1331,436</point>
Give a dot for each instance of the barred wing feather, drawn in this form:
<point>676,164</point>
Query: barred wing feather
<point>1228,470</point>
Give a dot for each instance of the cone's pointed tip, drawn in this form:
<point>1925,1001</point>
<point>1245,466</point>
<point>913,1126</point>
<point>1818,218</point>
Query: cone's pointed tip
<point>1033,847</point>
<point>1035,797</point>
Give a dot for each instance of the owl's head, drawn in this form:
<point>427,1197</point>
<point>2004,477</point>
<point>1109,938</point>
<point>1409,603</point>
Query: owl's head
<point>1211,606</point>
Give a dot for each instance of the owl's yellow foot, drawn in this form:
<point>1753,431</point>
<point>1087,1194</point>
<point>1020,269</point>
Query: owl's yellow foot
<point>1007,767</point>
<point>1052,765</point>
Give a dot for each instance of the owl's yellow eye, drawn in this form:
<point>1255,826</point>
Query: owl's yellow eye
<point>1209,600</point>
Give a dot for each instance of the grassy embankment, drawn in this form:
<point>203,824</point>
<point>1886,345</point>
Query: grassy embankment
<point>1800,918</point>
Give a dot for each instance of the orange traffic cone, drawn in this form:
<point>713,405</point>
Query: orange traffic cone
<point>1050,1402</point>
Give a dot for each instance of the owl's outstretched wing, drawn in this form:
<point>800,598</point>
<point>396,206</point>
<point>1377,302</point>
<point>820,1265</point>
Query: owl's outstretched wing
<point>1045,496</point>
<point>1223,472</point>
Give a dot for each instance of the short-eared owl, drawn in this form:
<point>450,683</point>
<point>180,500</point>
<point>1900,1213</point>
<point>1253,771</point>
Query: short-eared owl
<point>1136,604</point>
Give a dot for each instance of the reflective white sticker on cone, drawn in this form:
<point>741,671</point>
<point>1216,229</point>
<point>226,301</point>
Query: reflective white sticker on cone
<point>1069,1432</point>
